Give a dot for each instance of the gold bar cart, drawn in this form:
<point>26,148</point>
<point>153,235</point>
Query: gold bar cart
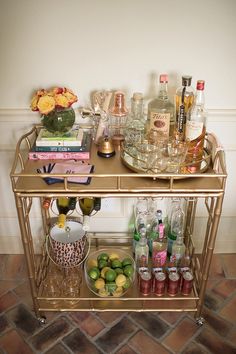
<point>113,179</point>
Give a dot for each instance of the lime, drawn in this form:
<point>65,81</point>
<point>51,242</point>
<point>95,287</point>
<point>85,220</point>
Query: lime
<point>118,270</point>
<point>110,275</point>
<point>127,261</point>
<point>110,287</point>
<point>120,279</point>
<point>94,273</point>
<point>103,256</point>
<point>102,263</point>
<point>116,263</point>
<point>127,283</point>
<point>103,271</point>
<point>99,283</point>
<point>128,270</point>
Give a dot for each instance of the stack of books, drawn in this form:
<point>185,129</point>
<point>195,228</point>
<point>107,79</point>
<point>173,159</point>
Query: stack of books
<point>74,145</point>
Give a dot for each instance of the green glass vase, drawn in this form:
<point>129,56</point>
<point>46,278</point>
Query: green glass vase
<point>59,121</point>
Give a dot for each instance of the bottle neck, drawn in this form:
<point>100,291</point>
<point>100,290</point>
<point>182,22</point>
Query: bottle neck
<point>163,91</point>
<point>179,240</point>
<point>136,108</point>
<point>200,98</point>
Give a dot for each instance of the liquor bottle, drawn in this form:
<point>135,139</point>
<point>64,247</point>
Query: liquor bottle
<point>140,220</point>
<point>184,99</point>
<point>117,118</point>
<point>86,206</point>
<point>196,128</point>
<point>63,208</point>
<point>159,245</point>
<point>176,227</point>
<point>141,250</point>
<point>161,111</point>
<point>97,204</point>
<point>178,249</point>
<point>72,203</point>
<point>135,123</point>
<point>154,229</point>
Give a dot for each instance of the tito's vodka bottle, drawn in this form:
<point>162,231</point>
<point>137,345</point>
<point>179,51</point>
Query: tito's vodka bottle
<point>184,99</point>
<point>161,111</point>
<point>196,128</point>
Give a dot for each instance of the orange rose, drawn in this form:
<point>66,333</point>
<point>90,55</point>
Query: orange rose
<point>34,103</point>
<point>71,98</point>
<point>58,90</point>
<point>61,101</point>
<point>46,101</point>
<point>46,104</point>
<point>41,92</point>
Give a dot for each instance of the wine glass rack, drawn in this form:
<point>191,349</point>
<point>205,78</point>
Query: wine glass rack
<point>113,179</point>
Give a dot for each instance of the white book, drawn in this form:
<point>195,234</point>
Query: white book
<point>74,138</point>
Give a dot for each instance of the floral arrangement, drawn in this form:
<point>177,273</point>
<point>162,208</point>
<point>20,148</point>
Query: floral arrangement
<point>46,101</point>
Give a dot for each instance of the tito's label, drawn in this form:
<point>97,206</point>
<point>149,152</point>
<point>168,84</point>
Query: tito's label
<point>160,122</point>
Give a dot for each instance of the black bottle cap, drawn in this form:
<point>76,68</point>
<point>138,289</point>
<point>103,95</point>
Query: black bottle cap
<point>186,80</point>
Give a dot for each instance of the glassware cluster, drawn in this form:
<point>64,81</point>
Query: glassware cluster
<point>169,139</point>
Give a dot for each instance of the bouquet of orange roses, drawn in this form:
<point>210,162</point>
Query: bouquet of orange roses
<point>46,101</point>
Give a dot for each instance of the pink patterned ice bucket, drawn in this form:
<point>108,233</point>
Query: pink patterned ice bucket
<point>68,244</point>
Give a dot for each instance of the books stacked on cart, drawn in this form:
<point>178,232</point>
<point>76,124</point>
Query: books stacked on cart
<point>74,145</point>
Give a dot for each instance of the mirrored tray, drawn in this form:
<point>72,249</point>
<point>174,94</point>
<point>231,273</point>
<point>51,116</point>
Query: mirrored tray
<point>130,159</point>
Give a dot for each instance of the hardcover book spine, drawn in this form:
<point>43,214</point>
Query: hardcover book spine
<point>60,148</point>
<point>79,155</point>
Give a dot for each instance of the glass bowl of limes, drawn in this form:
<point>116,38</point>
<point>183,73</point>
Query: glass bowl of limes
<point>109,272</point>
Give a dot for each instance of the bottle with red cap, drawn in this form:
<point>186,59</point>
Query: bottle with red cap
<point>161,117</point>
<point>196,128</point>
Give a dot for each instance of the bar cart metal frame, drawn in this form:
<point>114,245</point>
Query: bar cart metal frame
<point>112,179</point>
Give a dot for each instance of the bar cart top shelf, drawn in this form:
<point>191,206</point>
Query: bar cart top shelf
<point>111,177</point>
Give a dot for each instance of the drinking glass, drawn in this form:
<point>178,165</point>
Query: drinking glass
<point>177,151</point>
<point>146,153</point>
<point>51,286</point>
<point>71,285</point>
<point>158,161</point>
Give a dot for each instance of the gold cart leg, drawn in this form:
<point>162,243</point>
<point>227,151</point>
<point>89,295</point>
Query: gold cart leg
<point>208,255</point>
<point>190,218</point>
<point>27,242</point>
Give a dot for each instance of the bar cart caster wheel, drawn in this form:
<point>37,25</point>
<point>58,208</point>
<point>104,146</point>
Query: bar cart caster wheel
<point>42,320</point>
<point>200,321</point>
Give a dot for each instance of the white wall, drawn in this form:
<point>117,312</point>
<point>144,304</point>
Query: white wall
<point>89,45</point>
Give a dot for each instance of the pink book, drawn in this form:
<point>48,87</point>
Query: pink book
<point>77,155</point>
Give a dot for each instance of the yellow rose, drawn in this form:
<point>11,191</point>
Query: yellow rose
<point>61,101</point>
<point>46,104</point>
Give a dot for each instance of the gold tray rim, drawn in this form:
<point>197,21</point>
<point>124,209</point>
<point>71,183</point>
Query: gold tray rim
<point>207,159</point>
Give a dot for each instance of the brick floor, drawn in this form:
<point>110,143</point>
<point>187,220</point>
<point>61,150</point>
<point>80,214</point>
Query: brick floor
<point>181,334</point>
<point>142,343</point>
<point>117,332</point>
